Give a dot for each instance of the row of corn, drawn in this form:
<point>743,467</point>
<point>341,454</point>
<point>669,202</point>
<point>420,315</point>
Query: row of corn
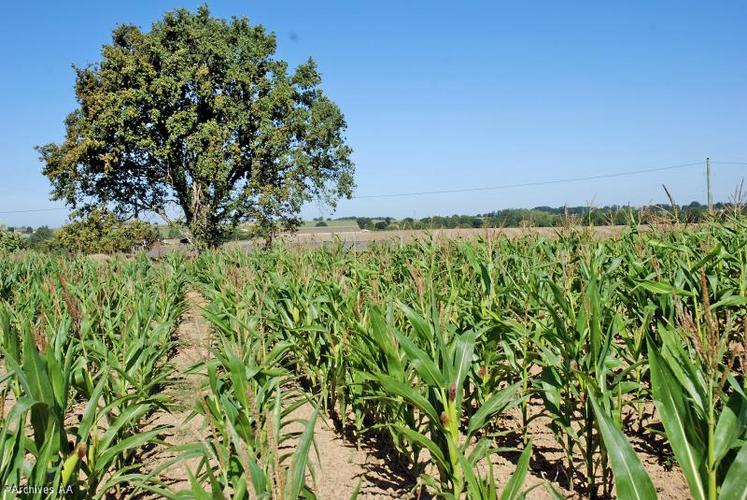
<point>433,347</point>
<point>444,352</point>
<point>84,352</point>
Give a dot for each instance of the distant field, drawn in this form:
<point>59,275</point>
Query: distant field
<point>335,225</point>
<point>330,223</point>
<point>356,237</point>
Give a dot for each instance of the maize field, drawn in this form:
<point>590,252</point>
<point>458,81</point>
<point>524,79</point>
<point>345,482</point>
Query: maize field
<point>594,367</point>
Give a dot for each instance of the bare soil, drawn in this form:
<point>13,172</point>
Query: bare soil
<point>340,467</point>
<point>194,335</point>
<point>406,236</point>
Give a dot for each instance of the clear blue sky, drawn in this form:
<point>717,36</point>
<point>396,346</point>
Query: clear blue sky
<point>445,95</point>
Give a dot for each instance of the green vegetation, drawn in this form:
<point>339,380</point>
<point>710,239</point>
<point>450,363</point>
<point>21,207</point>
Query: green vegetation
<point>39,238</point>
<point>102,232</point>
<point>12,240</point>
<point>198,115</point>
<point>430,343</point>
<point>9,241</point>
<point>85,352</point>
<point>550,217</point>
<point>445,353</point>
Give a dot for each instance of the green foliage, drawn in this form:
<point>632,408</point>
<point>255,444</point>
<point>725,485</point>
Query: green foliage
<point>424,345</point>
<point>439,351</point>
<point>9,241</point>
<point>197,113</point>
<point>364,223</point>
<point>705,422</point>
<point>73,332</point>
<point>559,216</point>
<point>249,409</point>
<point>173,232</point>
<point>102,232</point>
<point>39,238</point>
<point>631,479</point>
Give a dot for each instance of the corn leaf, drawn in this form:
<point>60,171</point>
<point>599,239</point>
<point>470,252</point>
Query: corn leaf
<point>631,479</point>
<point>672,405</point>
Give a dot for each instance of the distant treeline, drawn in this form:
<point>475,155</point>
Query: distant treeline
<point>550,217</point>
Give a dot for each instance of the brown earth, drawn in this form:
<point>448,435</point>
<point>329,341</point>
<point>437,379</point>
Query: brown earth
<point>194,336</point>
<point>340,467</point>
<point>406,236</point>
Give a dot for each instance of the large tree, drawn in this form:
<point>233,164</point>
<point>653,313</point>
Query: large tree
<point>196,117</point>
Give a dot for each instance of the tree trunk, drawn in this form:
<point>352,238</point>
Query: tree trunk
<point>207,233</point>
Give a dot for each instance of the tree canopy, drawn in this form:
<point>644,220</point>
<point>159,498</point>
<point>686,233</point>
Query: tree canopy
<point>197,118</point>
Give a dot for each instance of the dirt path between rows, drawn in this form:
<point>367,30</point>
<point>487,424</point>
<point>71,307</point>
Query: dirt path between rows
<point>194,336</point>
<point>340,467</point>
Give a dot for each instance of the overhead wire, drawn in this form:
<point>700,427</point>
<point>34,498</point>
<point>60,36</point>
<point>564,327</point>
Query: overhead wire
<point>481,188</point>
<point>530,184</point>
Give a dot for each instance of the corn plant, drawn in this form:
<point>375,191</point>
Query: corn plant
<point>249,409</point>
<point>376,336</point>
<point>702,402</point>
<point>101,456</point>
<point>86,355</point>
<point>632,482</point>
<point>434,400</point>
<point>580,358</point>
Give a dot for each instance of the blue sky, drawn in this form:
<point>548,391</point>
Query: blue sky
<point>445,95</point>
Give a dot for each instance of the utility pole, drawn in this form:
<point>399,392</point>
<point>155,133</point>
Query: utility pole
<point>708,183</point>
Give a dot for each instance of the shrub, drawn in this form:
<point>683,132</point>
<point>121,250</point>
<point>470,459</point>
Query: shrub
<point>174,232</point>
<point>102,232</point>
<point>364,222</point>
<point>39,239</point>
<point>321,223</point>
<point>9,242</point>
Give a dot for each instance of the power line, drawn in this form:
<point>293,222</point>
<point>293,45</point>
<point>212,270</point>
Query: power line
<point>33,210</point>
<point>484,188</point>
<point>730,162</point>
<point>536,183</point>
